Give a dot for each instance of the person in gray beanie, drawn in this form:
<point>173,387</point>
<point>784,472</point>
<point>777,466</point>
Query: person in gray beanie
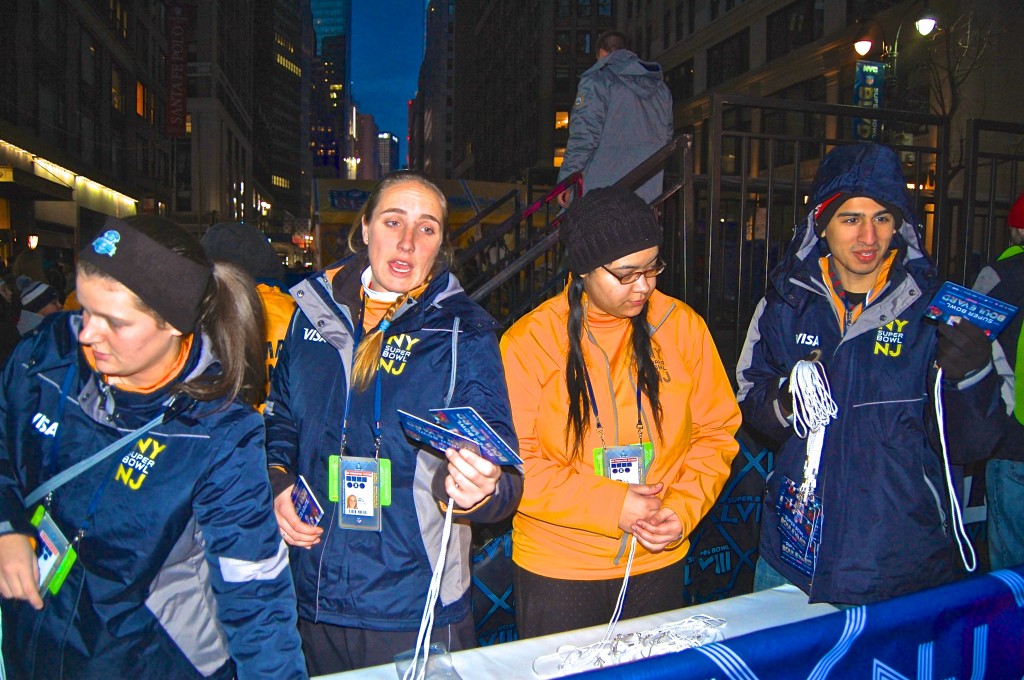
<point>38,300</point>
<point>246,246</point>
<point>626,420</point>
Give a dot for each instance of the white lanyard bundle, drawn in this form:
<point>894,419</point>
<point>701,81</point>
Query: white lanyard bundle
<point>959,532</point>
<point>427,620</point>
<point>813,407</point>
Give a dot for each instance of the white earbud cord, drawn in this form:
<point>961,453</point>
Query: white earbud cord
<point>957,523</point>
<point>427,620</point>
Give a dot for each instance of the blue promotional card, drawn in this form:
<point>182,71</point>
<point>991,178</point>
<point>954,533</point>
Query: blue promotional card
<point>467,422</point>
<point>460,428</point>
<point>306,505</point>
<point>954,302</point>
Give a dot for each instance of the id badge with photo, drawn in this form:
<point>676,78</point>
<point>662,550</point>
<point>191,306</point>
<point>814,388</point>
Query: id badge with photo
<point>800,522</point>
<point>55,555</point>
<point>360,492</point>
<point>624,463</point>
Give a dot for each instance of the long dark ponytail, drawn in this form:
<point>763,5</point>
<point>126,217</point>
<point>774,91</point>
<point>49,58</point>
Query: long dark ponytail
<point>578,422</point>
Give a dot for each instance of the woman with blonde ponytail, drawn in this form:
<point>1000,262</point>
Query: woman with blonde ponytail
<point>387,328</point>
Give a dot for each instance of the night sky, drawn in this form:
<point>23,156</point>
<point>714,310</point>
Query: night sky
<point>387,48</point>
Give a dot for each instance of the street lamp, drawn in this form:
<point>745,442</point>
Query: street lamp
<point>925,24</point>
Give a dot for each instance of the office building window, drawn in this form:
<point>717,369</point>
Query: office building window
<point>116,89</point>
<point>729,58</point>
<point>604,8</point>
<point>89,57</point>
<point>583,8</point>
<point>583,42</point>
<point>795,123</point>
<point>563,43</point>
<point>680,81</point>
<point>140,98</point>
<point>562,77</point>
<point>793,26</point>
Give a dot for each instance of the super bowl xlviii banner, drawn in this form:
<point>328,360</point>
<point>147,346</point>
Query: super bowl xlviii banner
<point>970,629</point>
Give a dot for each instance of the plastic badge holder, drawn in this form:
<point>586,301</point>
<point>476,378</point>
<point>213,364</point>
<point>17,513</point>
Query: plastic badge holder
<point>439,662</point>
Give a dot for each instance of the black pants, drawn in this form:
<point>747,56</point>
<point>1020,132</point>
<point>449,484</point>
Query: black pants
<point>550,605</point>
<point>333,649</point>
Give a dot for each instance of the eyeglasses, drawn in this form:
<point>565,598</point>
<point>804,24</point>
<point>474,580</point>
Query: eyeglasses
<point>633,277</point>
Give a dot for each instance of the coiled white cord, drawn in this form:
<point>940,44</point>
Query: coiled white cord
<point>813,408</point>
<point>957,523</point>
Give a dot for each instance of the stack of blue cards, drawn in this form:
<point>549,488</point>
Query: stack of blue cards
<point>460,428</point>
<point>307,507</point>
<point>954,302</point>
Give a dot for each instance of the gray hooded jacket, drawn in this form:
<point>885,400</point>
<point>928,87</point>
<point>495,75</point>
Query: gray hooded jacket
<point>622,114</point>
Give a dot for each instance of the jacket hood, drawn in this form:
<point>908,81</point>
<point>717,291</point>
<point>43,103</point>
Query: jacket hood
<point>642,77</point>
<point>868,170</point>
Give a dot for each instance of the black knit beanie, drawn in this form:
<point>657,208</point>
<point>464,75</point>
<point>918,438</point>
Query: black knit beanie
<point>172,285</point>
<point>606,224</point>
<point>246,246</point>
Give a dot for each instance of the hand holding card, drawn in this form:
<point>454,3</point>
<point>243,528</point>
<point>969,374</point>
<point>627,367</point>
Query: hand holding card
<point>460,428</point>
<point>954,302</point>
<point>307,507</point>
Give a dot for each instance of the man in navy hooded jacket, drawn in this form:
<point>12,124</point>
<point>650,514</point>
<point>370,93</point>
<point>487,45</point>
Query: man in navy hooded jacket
<point>854,285</point>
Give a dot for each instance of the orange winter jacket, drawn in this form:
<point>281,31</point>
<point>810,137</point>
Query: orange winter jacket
<point>277,312</point>
<point>567,523</point>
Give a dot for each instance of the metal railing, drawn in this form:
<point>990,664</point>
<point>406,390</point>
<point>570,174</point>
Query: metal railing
<point>735,190</point>
<point>516,281</point>
<point>516,263</point>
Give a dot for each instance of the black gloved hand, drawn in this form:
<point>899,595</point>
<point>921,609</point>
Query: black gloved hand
<point>785,399</point>
<point>963,349</point>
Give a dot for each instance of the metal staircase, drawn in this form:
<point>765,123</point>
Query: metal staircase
<point>517,264</point>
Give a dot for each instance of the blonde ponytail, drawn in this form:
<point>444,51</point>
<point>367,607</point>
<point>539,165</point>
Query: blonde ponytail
<point>368,353</point>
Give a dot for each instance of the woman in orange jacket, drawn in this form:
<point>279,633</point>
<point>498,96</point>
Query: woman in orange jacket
<point>626,422</point>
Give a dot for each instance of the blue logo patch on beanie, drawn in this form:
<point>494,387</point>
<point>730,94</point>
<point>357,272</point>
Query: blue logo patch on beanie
<point>107,244</point>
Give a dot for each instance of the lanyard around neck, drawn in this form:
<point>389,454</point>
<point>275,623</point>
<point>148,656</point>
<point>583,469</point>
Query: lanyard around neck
<point>377,388</point>
<point>597,416</point>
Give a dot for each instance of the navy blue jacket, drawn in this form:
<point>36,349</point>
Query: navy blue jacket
<point>440,350</point>
<point>1004,280</point>
<point>183,573</point>
<point>886,514</point>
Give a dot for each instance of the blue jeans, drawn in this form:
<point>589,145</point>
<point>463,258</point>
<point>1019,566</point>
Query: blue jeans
<point>1004,483</point>
<point>766,577</point>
